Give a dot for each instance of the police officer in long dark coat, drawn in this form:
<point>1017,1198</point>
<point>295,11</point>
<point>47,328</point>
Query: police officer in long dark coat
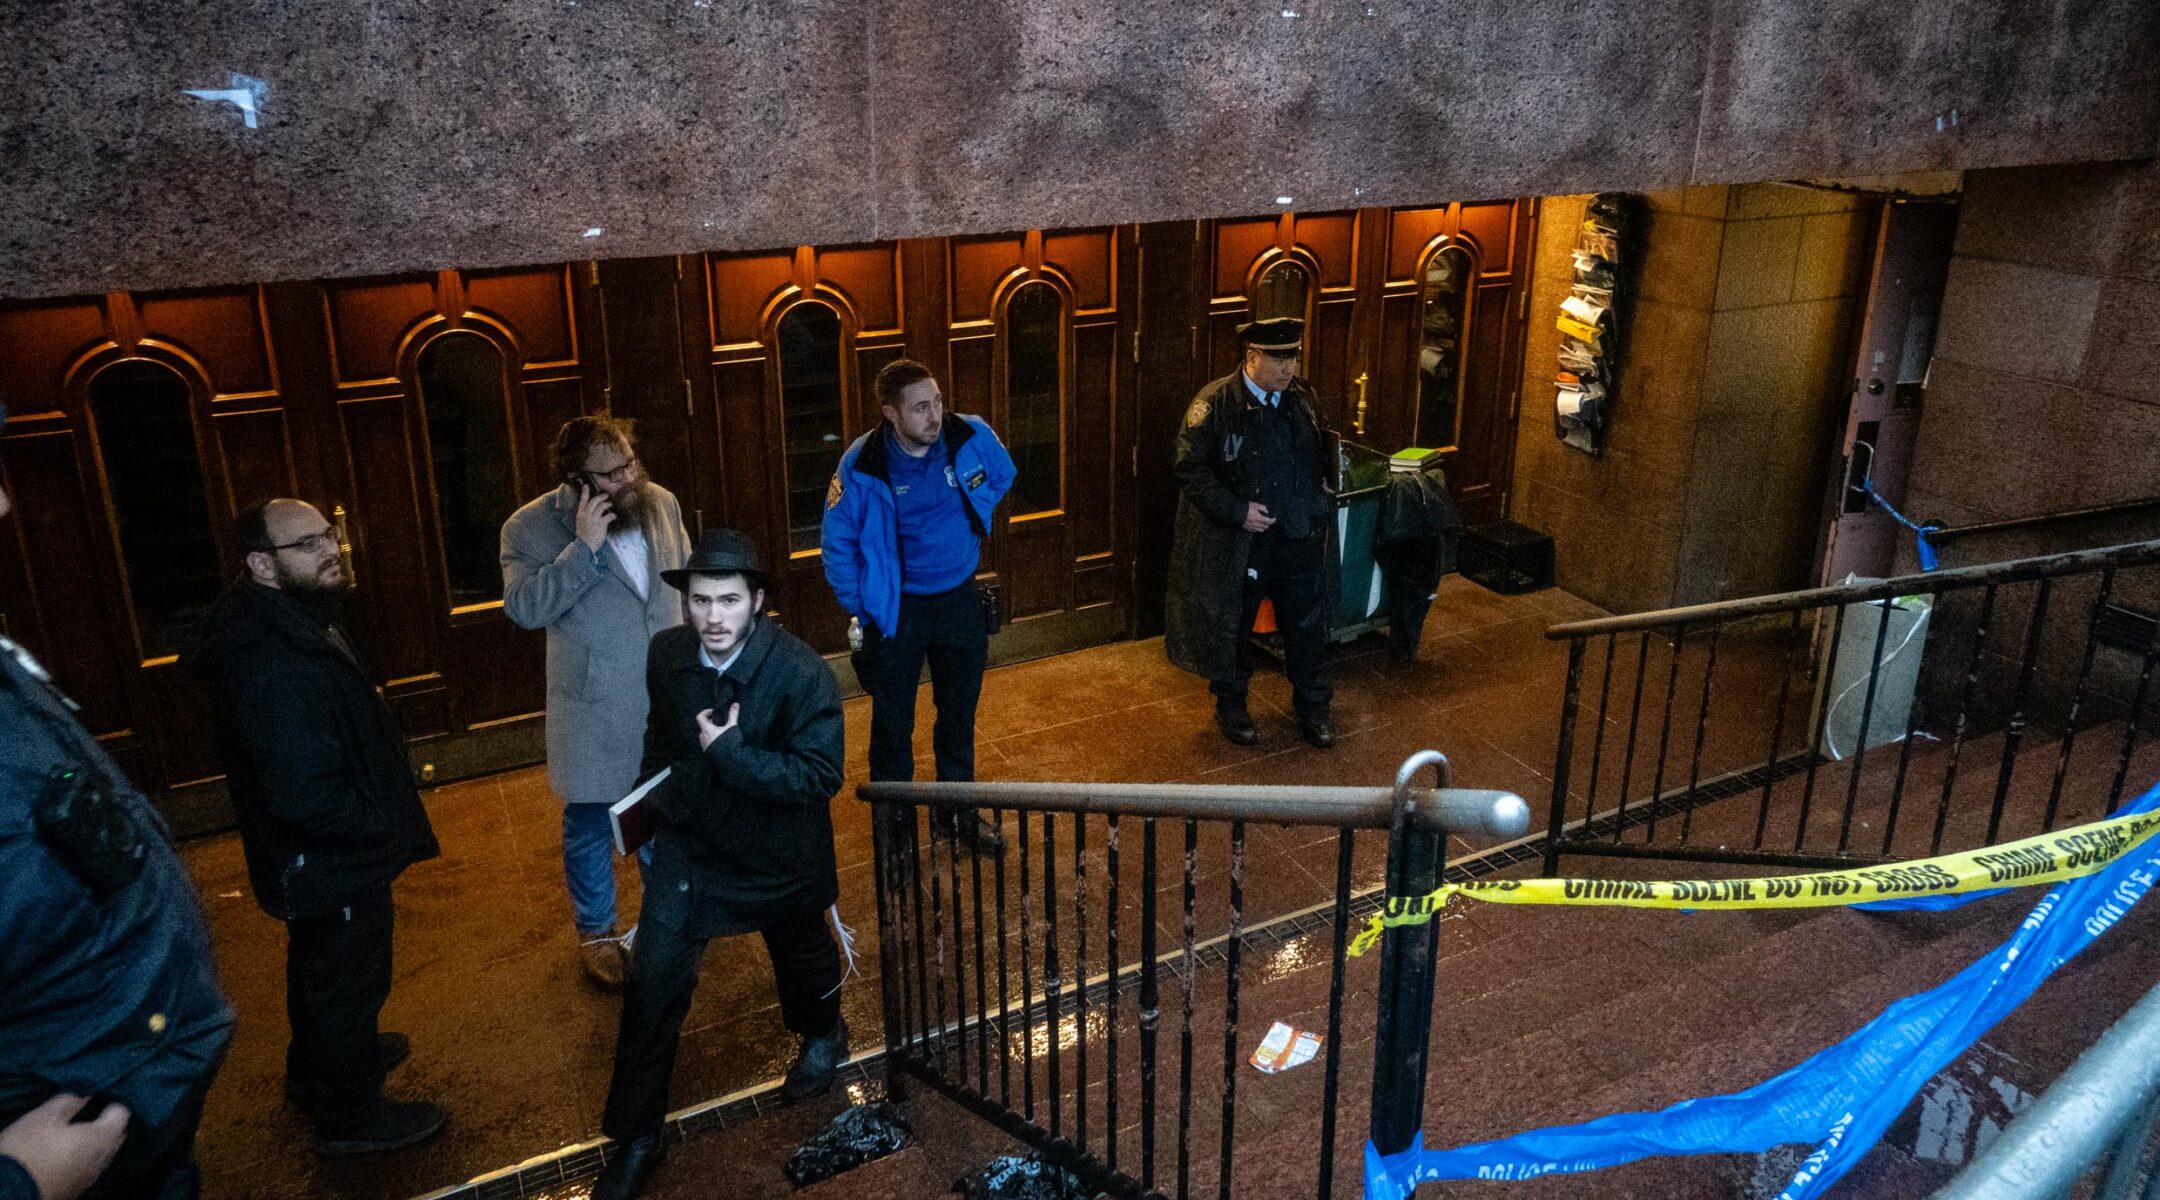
<point>1254,513</point>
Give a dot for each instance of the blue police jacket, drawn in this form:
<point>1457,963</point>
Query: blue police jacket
<point>114,994</point>
<point>861,538</point>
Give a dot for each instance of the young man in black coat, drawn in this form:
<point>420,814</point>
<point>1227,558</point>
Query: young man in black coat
<point>328,814</point>
<point>746,717</point>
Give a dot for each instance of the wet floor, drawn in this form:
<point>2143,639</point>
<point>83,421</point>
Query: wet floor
<point>507,1034</point>
<point>1541,1015</point>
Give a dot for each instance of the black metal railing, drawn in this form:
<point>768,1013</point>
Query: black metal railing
<point>2122,508</point>
<point>967,1013</point>
<point>1785,696</point>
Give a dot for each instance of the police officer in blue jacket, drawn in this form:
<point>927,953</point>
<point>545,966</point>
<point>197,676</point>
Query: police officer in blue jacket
<point>905,517</point>
<point>107,988</point>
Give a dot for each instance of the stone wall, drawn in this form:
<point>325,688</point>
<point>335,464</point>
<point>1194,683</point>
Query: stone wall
<point>396,136</point>
<point>1730,395</point>
<point>2044,397</point>
<point>2045,390</point>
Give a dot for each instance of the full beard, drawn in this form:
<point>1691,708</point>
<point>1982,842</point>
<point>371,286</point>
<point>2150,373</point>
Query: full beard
<point>633,507</point>
<point>325,600</point>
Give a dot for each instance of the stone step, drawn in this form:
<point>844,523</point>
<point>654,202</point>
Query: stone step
<point>906,1174</point>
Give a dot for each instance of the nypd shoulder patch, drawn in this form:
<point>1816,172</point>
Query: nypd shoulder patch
<point>833,490</point>
<point>1196,414</point>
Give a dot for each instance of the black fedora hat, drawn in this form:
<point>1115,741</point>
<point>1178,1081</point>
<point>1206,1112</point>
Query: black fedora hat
<point>720,552</point>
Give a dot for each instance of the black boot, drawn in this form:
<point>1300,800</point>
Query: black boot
<point>1236,724</point>
<point>630,1167</point>
<point>814,1068</point>
<point>395,1125</point>
<point>1317,729</point>
<point>395,1049</point>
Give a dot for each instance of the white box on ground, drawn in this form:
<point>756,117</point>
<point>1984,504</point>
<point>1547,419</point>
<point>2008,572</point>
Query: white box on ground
<point>1903,637</point>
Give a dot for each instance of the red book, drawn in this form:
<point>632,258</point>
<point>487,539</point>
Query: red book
<point>630,817</point>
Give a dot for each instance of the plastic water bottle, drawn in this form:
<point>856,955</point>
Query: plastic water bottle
<point>854,633</point>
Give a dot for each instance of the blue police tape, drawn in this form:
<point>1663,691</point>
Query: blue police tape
<point>1842,1098</point>
<point>1920,532</point>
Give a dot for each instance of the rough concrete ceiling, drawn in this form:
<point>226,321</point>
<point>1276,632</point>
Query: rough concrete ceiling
<point>398,134</point>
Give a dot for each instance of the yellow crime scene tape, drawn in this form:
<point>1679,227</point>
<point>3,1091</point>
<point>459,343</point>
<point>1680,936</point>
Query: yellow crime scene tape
<point>2047,858</point>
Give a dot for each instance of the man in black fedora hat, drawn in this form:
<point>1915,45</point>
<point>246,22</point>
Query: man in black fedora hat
<point>746,717</point>
<point>1252,523</point>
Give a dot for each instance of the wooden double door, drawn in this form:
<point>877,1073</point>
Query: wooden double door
<point>418,411</point>
<point>414,411</point>
<point>1414,323</point>
<point>1028,330</point>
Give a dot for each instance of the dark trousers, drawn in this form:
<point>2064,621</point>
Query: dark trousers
<point>337,975</point>
<point>1289,572</point>
<point>1412,568</point>
<point>947,630</point>
<point>663,974</point>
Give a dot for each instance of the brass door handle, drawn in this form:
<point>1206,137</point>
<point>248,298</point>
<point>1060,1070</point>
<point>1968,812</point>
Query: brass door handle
<point>344,543</point>
<point>1357,422</point>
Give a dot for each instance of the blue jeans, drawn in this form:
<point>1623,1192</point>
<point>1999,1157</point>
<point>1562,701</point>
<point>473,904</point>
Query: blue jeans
<point>588,859</point>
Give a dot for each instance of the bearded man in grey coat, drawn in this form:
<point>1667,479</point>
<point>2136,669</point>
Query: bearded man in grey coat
<point>584,562</point>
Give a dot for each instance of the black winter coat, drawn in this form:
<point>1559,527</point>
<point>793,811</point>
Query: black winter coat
<point>1209,545</point>
<point>314,757</point>
<point>745,831</point>
<point>115,996</point>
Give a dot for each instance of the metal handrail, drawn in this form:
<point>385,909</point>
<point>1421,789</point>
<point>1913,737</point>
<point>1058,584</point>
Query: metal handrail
<point>1952,532</point>
<point>2132,554</point>
<point>981,1049</point>
<point>1463,810</point>
<point>2092,1106</point>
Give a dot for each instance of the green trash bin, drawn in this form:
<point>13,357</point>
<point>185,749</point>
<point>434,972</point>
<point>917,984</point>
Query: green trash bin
<point>1361,594</point>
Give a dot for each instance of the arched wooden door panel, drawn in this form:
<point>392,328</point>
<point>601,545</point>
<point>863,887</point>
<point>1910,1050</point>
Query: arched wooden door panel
<point>776,378</point>
<point>1258,269</point>
<point>1380,352</point>
<point>139,424</point>
<point>447,390</point>
<point>791,341</point>
<point>1033,326</point>
<point>1448,342</point>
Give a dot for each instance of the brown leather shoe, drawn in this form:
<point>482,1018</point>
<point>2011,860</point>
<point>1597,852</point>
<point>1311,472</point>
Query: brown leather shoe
<point>602,960</point>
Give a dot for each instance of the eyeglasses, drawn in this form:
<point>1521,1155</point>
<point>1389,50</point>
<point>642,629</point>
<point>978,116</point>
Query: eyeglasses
<point>314,543</point>
<point>620,475</point>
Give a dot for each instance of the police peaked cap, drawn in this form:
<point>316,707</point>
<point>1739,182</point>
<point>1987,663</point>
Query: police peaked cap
<point>1281,335</point>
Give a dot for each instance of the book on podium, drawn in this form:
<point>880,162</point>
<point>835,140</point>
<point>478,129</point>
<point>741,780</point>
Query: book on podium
<point>631,818</point>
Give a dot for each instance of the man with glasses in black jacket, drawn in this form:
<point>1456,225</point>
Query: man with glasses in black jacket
<point>329,816</point>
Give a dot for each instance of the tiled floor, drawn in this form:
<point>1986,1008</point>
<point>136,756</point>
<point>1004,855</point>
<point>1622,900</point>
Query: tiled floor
<point>1541,1015</point>
<point>506,1034</point>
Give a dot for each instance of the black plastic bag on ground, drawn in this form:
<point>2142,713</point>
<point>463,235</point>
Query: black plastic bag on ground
<point>1014,1178</point>
<point>858,1135</point>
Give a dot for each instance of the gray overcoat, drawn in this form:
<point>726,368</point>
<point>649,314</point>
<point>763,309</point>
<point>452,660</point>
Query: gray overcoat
<point>597,633</point>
